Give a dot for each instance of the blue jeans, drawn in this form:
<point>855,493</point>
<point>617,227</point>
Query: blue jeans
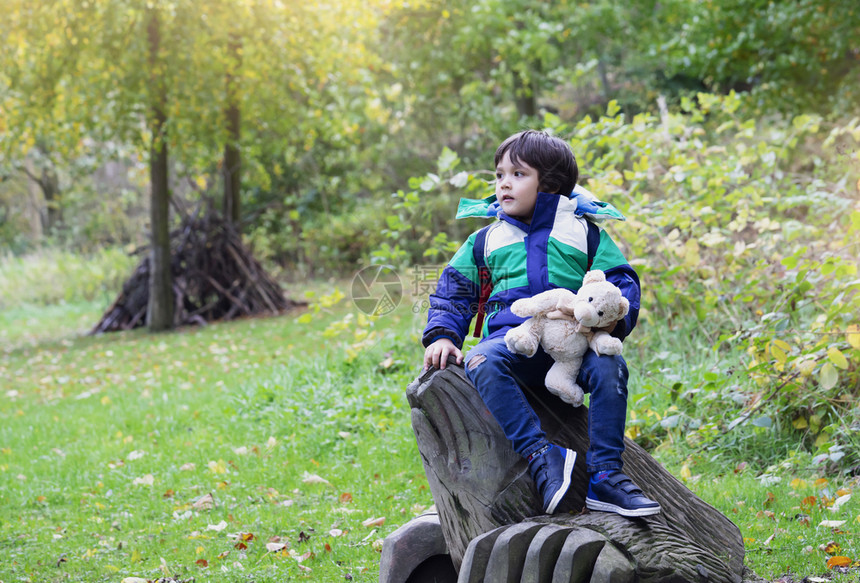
<point>500,376</point>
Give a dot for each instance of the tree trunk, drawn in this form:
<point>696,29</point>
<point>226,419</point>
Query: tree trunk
<point>51,189</point>
<point>161,308</point>
<point>34,203</point>
<point>480,484</point>
<point>525,95</point>
<point>232,156</point>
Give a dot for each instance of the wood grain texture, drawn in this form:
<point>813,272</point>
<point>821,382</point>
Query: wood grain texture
<point>480,484</point>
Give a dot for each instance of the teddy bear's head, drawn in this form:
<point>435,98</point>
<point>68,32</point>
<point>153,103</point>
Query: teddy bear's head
<point>598,303</point>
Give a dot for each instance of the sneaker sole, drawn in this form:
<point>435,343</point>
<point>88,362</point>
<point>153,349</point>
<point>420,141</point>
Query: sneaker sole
<point>593,504</point>
<point>569,461</point>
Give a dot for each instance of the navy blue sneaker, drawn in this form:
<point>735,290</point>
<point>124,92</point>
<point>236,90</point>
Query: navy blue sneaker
<point>551,472</point>
<point>617,493</point>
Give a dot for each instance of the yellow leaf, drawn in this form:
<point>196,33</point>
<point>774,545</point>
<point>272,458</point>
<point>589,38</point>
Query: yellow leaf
<point>852,334</point>
<point>778,353</point>
<point>821,483</point>
<point>800,423</point>
<point>798,484</point>
<point>836,357</point>
<point>828,376</point>
<point>783,344</point>
<point>805,366</point>
<point>219,467</point>
<point>136,556</point>
<point>685,472</point>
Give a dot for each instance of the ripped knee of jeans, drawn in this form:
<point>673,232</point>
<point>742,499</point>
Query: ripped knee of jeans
<point>476,361</point>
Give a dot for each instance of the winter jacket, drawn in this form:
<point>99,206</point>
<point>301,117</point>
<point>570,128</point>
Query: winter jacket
<point>525,260</point>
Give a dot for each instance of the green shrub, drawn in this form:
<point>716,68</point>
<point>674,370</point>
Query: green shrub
<point>53,276</point>
<point>743,232</point>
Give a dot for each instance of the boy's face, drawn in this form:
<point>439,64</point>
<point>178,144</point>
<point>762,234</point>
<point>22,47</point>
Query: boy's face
<point>517,188</point>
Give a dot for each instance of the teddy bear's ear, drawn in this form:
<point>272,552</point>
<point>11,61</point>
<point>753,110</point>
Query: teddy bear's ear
<point>593,276</point>
<point>625,306</point>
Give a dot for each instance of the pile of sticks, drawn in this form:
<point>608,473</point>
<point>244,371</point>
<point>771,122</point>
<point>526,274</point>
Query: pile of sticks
<point>215,277</point>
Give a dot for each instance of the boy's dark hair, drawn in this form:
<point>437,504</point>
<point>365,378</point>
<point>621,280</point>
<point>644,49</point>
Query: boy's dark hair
<point>549,155</point>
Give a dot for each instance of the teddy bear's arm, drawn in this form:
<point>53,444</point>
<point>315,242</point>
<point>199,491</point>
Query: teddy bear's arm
<point>525,338</point>
<point>602,343</point>
<point>541,303</point>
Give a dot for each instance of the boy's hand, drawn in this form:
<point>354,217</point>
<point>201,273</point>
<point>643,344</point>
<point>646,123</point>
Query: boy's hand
<point>437,354</point>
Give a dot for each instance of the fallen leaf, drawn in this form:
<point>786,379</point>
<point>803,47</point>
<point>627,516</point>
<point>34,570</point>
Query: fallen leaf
<point>205,502</point>
<point>838,561</point>
<point>217,527</point>
<point>246,536</point>
<point>832,523</point>
<point>271,443</point>
<point>240,546</point>
<point>223,555</point>
<point>241,450</point>
<point>808,502</point>
<point>134,580</point>
<point>314,479</point>
<point>837,504</point>
<point>275,547</point>
<point>830,548</point>
<point>345,498</point>
<point>219,467</point>
<point>189,467</point>
<point>372,522</point>
<point>135,455</point>
<point>146,480</point>
<point>202,563</point>
<point>168,493</point>
<point>335,532</point>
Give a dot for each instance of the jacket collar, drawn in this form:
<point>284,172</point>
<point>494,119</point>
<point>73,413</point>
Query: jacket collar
<point>586,205</point>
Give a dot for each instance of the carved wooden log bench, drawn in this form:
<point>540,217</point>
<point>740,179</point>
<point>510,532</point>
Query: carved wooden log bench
<point>490,517</point>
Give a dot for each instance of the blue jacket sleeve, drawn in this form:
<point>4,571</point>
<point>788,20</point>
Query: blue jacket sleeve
<point>626,279</point>
<point>455,301</point>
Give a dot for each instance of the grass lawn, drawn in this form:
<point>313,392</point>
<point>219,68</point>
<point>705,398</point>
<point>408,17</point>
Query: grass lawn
<point>277,449</point>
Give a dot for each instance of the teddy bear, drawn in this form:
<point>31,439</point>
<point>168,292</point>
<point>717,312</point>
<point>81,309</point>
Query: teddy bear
<point>566,325</point>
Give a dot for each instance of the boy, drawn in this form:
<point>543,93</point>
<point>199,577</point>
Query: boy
<point>540,241</point>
